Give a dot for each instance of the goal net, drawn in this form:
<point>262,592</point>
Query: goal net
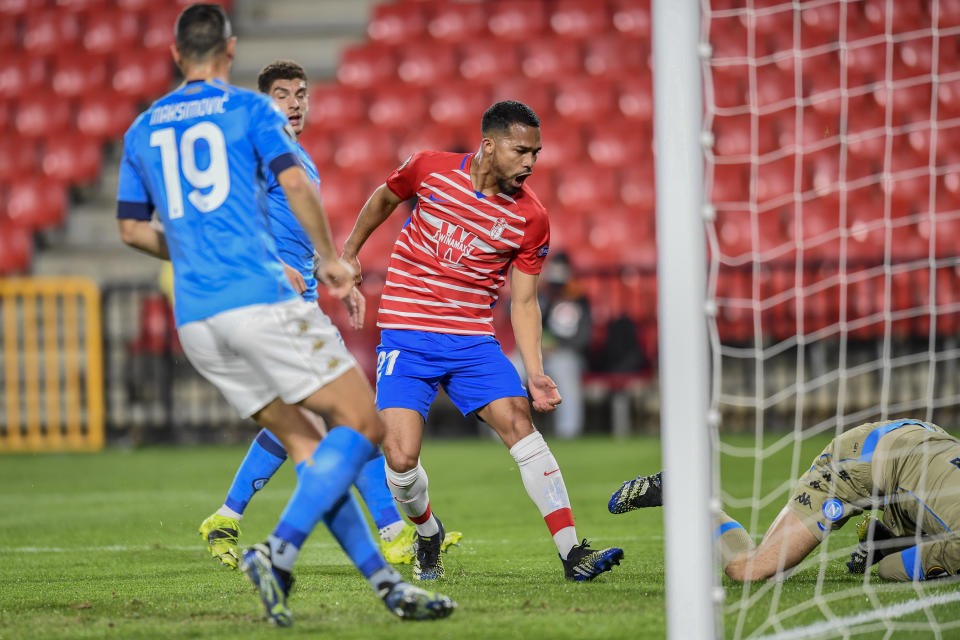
<point>832,169</point>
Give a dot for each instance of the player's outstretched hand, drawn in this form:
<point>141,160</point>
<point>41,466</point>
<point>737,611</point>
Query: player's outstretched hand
<point>544,393</point>
<point>295,278</point>
<point>356,304</point>
<point>338,276</point>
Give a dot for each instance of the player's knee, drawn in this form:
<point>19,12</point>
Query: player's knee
<point>397,459</point>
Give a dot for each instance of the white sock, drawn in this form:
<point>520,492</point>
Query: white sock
<point>409,489</point>
<point>544,484</point>
<point>227,512</point>
<point>391,531</point>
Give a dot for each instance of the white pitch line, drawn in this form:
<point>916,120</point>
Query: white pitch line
<point>893,611</point>
<point>467,541</point>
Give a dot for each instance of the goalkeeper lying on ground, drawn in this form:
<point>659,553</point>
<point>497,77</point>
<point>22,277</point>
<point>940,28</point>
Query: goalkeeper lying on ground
<point>908,468</point>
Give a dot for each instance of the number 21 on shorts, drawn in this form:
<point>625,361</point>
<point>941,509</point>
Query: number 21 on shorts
<point>390,359</point>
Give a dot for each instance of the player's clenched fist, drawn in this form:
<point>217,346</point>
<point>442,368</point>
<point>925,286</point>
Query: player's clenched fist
<point>543,392</point>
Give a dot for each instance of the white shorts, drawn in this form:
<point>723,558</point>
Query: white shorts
<point>257,353</point>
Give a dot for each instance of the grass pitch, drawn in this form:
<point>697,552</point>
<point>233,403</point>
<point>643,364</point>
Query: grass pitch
<point>105,546</point>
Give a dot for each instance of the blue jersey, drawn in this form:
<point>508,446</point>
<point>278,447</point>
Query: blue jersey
<point>292,242</point>
<point>199,156</point>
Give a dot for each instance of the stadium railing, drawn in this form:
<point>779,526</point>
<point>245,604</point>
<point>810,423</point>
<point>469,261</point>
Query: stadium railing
<point>52,373</point>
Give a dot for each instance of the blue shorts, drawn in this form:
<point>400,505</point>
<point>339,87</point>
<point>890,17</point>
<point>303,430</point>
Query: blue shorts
<point>473,370</point>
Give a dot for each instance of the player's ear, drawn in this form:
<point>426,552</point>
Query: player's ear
<point>177,58</point>
<point>231,46</point>
<point>487,144</point>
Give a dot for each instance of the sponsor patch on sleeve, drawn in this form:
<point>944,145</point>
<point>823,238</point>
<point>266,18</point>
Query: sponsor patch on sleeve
<point>543,251</point>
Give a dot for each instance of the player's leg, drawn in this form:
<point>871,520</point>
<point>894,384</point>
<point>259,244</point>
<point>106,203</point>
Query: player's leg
<point>408,375</point>
<point>221,530</point>
<point>298,353</point>
<point>396,536</point>
<point>510,418</point>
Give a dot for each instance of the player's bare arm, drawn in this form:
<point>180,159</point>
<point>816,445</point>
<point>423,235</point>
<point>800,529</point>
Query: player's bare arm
<point>305,204</point>
<point>142,235</point>
<point>295,278</point>
<point>528,329</point>
<point>375,211</point>
<point>786,543</point>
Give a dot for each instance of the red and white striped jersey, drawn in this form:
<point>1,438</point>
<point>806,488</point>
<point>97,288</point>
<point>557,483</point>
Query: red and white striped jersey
<point>454,254</point>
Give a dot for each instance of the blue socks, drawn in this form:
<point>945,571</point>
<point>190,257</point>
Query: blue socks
<point>324,482</point>
<point>264,457</point>
<point>372,485</point>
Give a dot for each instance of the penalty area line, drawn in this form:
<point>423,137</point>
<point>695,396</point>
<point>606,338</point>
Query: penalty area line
<point>893,611</point>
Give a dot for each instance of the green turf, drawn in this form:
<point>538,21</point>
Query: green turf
<point>105,546</point>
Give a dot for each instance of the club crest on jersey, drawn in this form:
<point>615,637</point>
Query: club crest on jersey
<point>498,228</point>
<point>453,242</point>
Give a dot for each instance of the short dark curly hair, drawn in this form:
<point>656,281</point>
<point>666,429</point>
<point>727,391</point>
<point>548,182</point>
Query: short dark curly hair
<point>499,117</point>
<point>279,70</point>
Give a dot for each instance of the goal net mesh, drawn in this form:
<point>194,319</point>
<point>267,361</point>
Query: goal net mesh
<point>832,171</point>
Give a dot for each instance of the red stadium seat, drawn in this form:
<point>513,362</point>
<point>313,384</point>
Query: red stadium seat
<point>142,74</point>
<point>729,86</point>
<point>486,60</point>
<point>579,19</point>
<point>108,32</point>
<point>615,57</point>
<point>80,5</point>
<point>457,21</point>
<point>730,183</point>
<point>342,193</point>
<point>511,20</point>
<point>427,64</point>
<point>134,5</point>
<point>6,115</point>
<point>8,36</point>
<point>948,99</point>
<point>550,60</point>
<point>18,158</point>
<point>635,98</point>
<point>459,104</point>
<point>728,38</point>
<point>585,187</point>
<point>158,32</point>
<point>637,188</point>
<point>366,66</point>
<point>632,18</point>
<point>363,147</point>
<point>333,107</point>
<point>618,144</point>
<point>71,158</point>
<point>431,136</point>
<point>16,248</point>
<point>538,96</point>
<point>906,16</point>
<point>47,32</point>
<point>36,203</point>
<point>949,15</point>
<point>616,237</point>
<point>396,23</point>
<point>104,116</point>
<point>42,114</point>
<point>562,144</point>
<point>735,230</point>
<point>732,137</point>
<point>584,99</point>
<point>16,8</point>
<point>319,144</point>
<point>22,74</point>
<point>908,103</point>
<point>775,85</point>
<point>75,74</point>
<point>396,107</point>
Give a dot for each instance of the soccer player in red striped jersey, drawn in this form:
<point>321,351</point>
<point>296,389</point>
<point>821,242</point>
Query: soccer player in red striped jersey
<point>474,219</point>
